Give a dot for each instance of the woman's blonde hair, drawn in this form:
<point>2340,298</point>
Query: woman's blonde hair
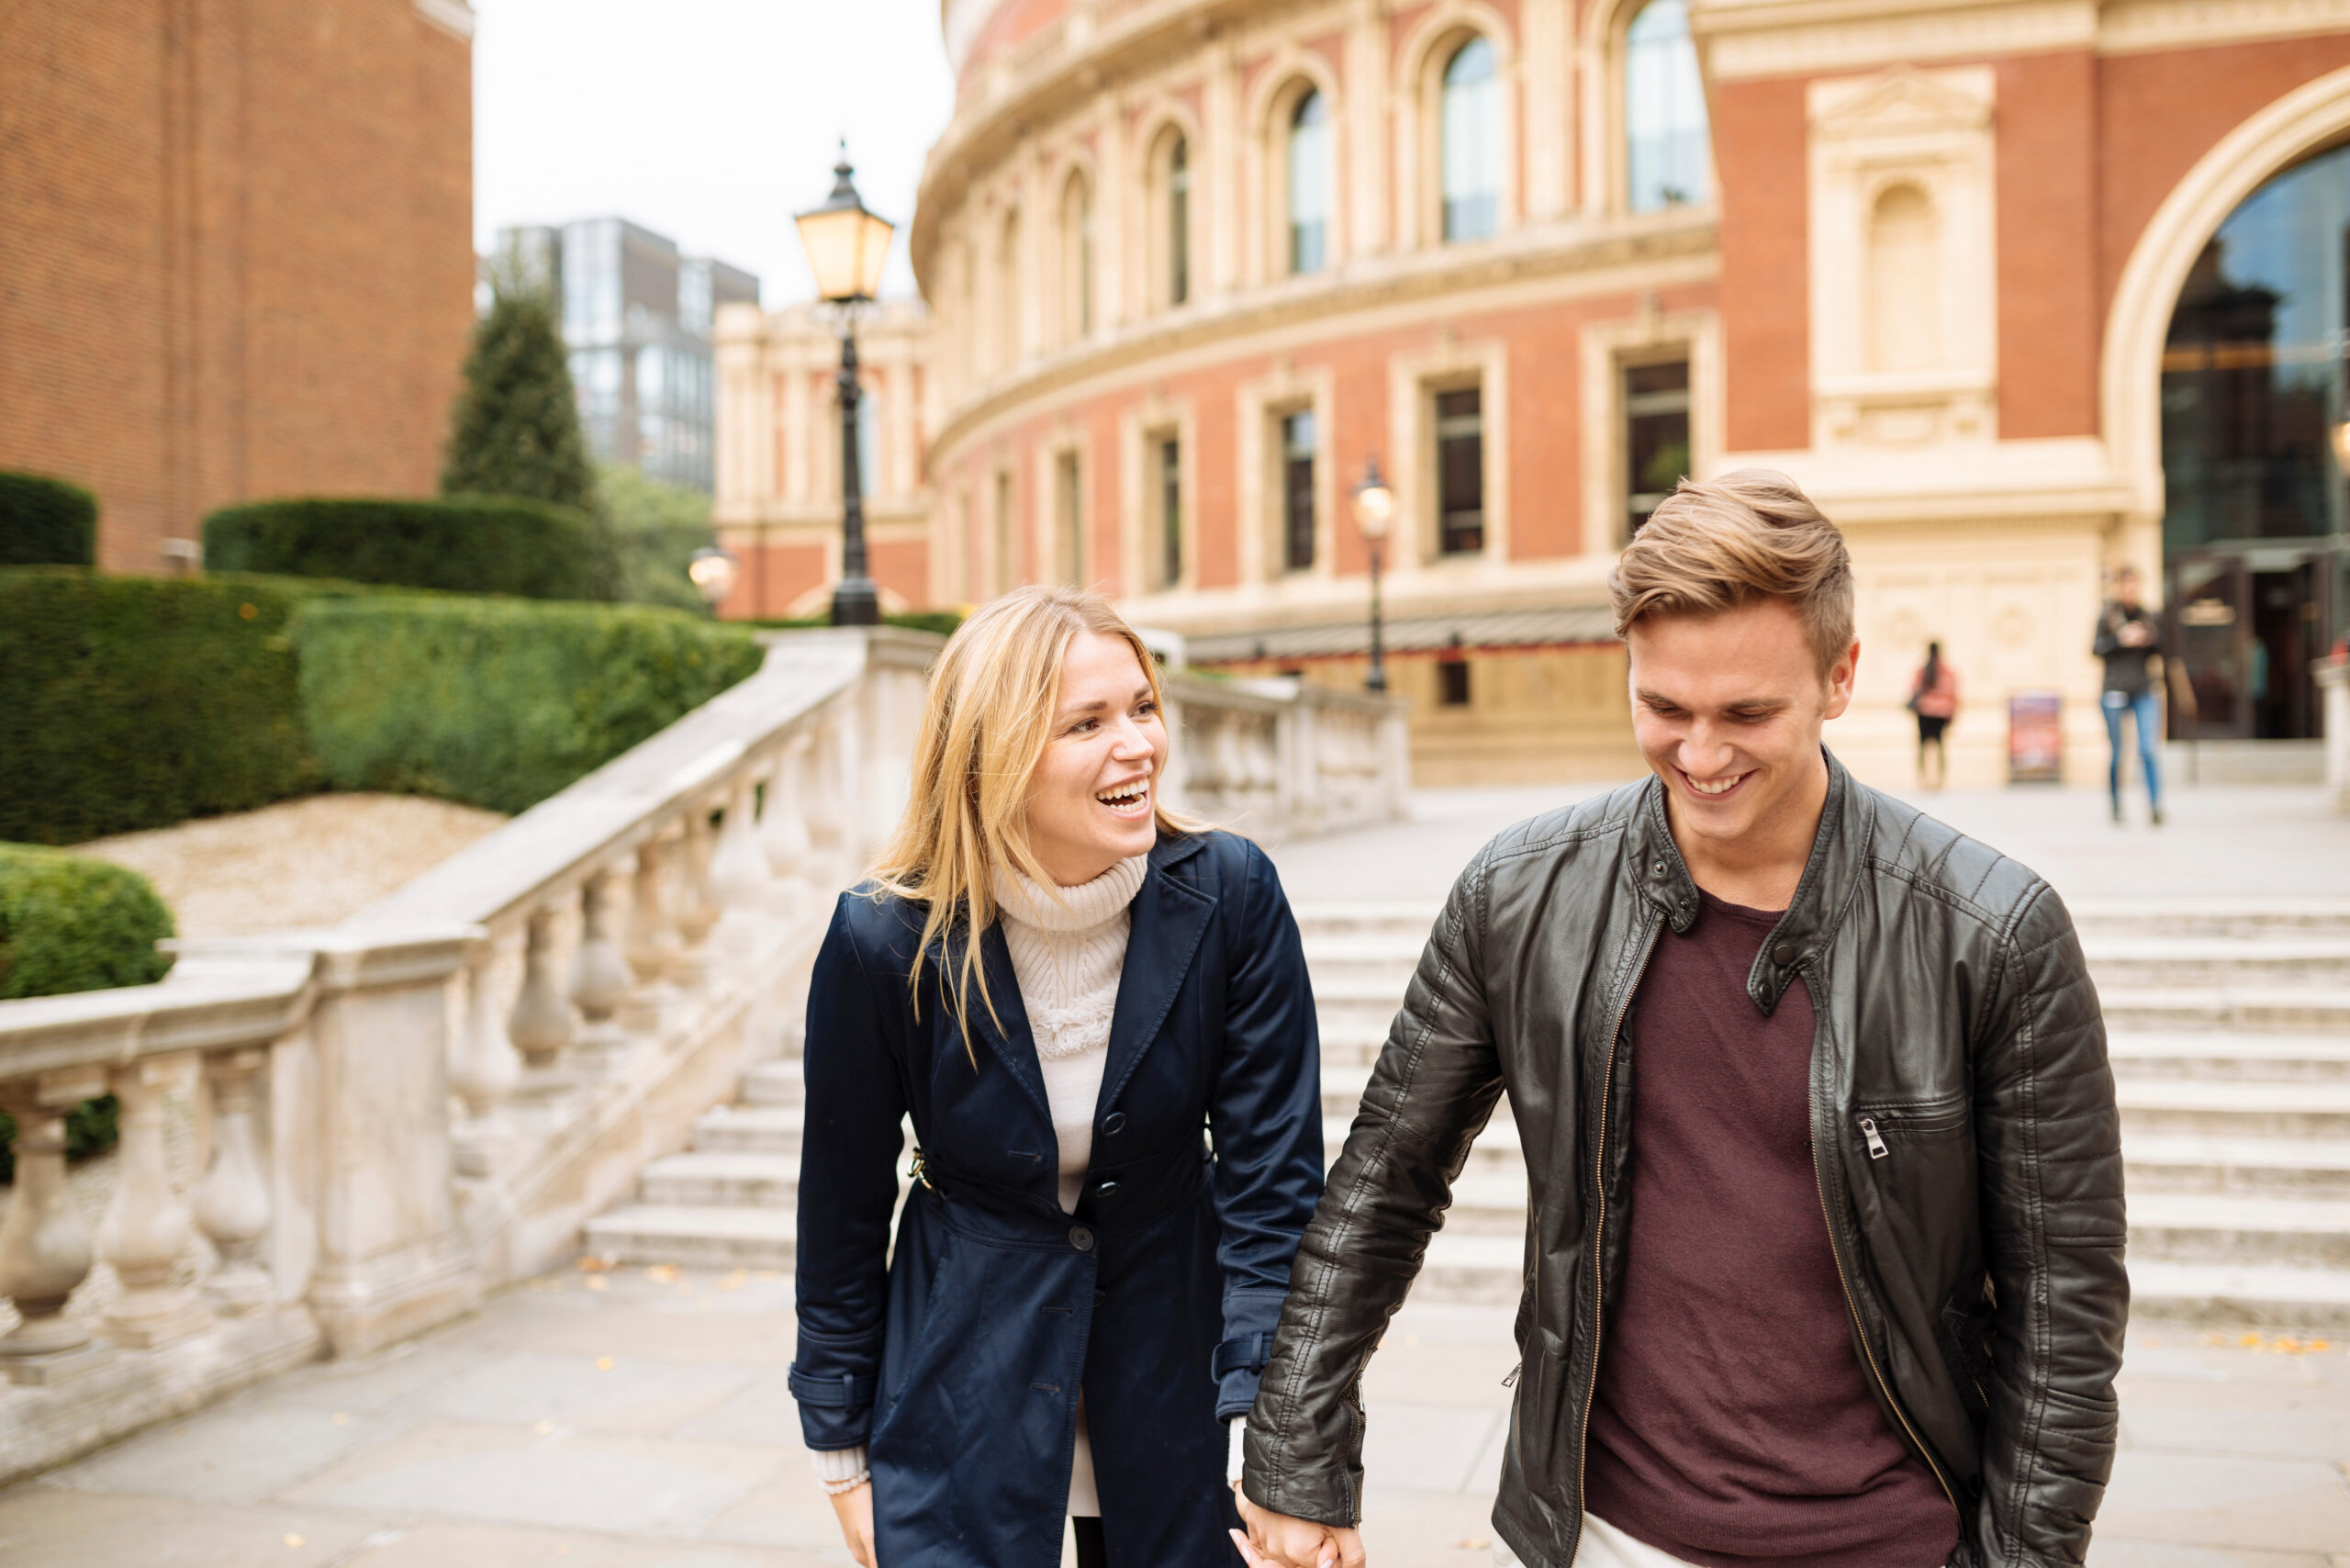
<point>985,723</point>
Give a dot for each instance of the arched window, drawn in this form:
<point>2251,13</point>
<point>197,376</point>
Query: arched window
<point>1309,184</point>
<point>1905,287</point>
<point>1666,160</point>
<point>1472,142</point>
<point>1077,259</point>
<point>1179,220</point>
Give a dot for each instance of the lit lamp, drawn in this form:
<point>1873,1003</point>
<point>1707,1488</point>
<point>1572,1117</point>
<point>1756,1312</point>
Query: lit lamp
<point>2341,435</point>
<point>845,246</point>
<point>1374,508</point>
<point>714,572</point>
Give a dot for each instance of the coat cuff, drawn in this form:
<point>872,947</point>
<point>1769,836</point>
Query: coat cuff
<point>836,1410</point>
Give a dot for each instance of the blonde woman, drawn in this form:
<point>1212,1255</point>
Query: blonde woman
<point>1080,1294</point>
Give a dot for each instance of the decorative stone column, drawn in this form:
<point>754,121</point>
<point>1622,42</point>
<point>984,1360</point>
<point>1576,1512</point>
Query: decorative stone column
<point>2334,693</point>
<point>697,903</point>
<point>232,1201</point>
<point>44,1246</point>
<point>783,825</point>
<point>541,1023</point>
<point>148,1226</point>
<point>739,873</point>
<point>599,973</point>
<point>486,1072</point>
<point>651,947</point>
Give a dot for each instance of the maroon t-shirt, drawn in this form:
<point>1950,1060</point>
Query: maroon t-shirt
<point>1733,1424</point>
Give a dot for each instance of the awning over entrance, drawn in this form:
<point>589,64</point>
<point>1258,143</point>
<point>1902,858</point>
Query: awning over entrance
<point>1563,625</point>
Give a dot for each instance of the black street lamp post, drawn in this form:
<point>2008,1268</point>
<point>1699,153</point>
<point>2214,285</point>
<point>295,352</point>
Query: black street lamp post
<point>1374,506</point>
<point>845,247</point>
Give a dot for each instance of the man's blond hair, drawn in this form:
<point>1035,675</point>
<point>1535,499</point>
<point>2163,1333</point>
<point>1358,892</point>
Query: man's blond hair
<point>1716,544</point>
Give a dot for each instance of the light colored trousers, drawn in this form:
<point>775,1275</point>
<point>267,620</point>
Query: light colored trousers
<point>1604,1546</point>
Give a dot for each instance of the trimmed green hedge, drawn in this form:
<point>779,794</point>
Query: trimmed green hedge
<point>499,703</point>
<point>137,703</point>
<point>942,622</point>
<point>468,545</point>
<point>46,523</point>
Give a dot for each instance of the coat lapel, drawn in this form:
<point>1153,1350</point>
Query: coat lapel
<point>1169,918</point>
<point>1007,1032</point>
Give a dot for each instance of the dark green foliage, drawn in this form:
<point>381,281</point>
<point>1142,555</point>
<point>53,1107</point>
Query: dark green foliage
<point>516,431</point>
<point>942,622</point>
<point>70,923</point>
<point>46,523</point>
<point>468,544</point>
<point>653,529</point>
<point>138,702</point>
<point>497,703</point>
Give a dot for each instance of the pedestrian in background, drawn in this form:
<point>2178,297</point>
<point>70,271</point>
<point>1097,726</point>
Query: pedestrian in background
<point>1933,697</point>
<point>2128,639</point>
<point>1061,983</point>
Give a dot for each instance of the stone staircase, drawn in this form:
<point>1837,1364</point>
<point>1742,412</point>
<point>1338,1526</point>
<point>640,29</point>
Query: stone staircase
<point>2230,1032</point>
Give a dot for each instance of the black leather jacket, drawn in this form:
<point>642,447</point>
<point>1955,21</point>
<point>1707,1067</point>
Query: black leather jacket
<point>1981,1250</point>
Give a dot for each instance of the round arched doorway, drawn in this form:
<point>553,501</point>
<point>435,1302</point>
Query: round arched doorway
<point>2256,443</point>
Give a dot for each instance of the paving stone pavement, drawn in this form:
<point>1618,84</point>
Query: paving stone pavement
<point>639,1418</point>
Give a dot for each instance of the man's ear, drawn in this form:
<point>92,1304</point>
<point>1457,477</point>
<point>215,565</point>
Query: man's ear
<point>1840,677</point>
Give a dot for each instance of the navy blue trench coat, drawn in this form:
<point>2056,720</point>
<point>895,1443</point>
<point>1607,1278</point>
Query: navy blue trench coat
<point>959,1357</point>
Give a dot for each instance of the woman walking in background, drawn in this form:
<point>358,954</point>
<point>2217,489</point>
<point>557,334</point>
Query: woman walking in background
<point>1060,983</point>
<point>1933,697</point>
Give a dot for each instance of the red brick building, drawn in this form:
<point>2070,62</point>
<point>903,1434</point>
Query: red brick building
<point>2022,290</point>
<point>236,251</point>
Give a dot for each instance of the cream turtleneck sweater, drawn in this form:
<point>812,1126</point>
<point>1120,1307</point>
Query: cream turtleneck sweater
<point>1068,946</point>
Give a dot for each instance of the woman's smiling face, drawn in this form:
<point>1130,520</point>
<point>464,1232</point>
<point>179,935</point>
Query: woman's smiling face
<point>1091,798</point>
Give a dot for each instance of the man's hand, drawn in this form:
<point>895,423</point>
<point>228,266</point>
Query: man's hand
<point>854,1511</point>
<point>1277,1541</point>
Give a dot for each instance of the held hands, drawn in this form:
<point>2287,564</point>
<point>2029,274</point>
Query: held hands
<point>1277,1541</point>
<point>854,1511</point>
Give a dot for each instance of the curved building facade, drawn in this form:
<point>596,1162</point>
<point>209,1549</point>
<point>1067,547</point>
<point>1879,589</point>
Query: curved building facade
<point>1193,265</point>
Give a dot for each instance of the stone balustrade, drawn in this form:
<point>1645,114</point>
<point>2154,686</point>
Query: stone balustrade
<point>394,1117</point>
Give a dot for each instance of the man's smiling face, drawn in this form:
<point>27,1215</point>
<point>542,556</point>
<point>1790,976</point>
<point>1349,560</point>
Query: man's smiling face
<point>1728,709</point>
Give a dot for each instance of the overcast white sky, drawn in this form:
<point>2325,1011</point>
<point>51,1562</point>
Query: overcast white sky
<point>710,121</point>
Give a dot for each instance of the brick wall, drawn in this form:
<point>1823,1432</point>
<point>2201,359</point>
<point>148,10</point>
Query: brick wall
<point>237,257</point>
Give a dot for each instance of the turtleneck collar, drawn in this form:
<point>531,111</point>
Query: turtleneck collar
<point>1080,907</point>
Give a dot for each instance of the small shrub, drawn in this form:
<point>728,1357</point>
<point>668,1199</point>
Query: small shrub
<point>494,702</point>
<point>466,545</point>
<point>46,523</point>
<point>137,703</point>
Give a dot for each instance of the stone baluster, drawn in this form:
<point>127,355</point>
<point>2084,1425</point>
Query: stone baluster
<point>44,1246</point>
<point>783,824</point>
<point>651,947</point>
<point>486,1072</point>
<point>599,973</point>
<point>541,1023</point>
<point>232,1204</point>
<point>739,873</point>
<point>148,1226</point>
<point>695,904</point>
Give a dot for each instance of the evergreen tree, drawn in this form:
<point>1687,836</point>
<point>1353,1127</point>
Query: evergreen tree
<point>653,529</point>
<point>517,426</point>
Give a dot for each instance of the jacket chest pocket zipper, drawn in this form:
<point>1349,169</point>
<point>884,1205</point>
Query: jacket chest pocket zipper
<point>1877,1149</point>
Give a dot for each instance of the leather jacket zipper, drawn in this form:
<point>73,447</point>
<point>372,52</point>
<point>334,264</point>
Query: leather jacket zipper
<point>1599,1222</point>
<point>1860,1331</point>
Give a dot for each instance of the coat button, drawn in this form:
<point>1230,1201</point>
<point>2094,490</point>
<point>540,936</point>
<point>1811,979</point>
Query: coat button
<point>1081,1238</point>
<point>1106,1188</point>
<point>1785,953</point>
<point>1099,1297</point>
<point>1113,1124</point>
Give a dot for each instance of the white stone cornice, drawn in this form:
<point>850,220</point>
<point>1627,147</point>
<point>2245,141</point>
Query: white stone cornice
<point>455,17</point>
<point>1808,36</point>
<point>2136,26</point>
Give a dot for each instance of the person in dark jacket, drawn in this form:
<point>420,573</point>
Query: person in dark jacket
<point>1063,986</point>
<point>1824,1252</point>
<point>2129,638</point>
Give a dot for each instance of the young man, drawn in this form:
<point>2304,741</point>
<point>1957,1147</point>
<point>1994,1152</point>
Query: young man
<point>1823,1258</point>
<point>2128,638</point>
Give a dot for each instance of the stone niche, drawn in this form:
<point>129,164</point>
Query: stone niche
<point>1903,262</point>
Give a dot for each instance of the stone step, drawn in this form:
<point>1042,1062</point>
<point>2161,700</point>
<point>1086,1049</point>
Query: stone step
<point>1467,1266</point>
<point>2240,1295</point>
<point>1497,1150</point>
<point>749,1129</point>
<point>777,1082</point>
<point>706,1176</point>
<point>2224,1055</point>
<point>2206,1228</point>
<point>2232,1109</point>
<point>2229,963</point>
<point>2245,1167</point>
<point>2263,917</point>
<point>1412,918</point>
<point>2283,1009</point>
<point>702,1236</point>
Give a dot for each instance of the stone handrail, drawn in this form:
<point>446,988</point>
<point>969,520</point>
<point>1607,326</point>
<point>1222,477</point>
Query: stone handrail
<point>378,1123</point>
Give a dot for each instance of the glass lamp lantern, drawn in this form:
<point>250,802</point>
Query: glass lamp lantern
<point>1374,504</point>
<point>714,573</point>
<point>846,244</point>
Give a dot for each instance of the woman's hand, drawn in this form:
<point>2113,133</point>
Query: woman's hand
<point>1277,1541</point>
<point>854,1511</point>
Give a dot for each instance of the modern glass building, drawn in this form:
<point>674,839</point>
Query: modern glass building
<point>637,316</point>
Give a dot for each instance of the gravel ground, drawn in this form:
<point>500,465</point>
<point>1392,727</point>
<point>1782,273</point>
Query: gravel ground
<point>298,863</point>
